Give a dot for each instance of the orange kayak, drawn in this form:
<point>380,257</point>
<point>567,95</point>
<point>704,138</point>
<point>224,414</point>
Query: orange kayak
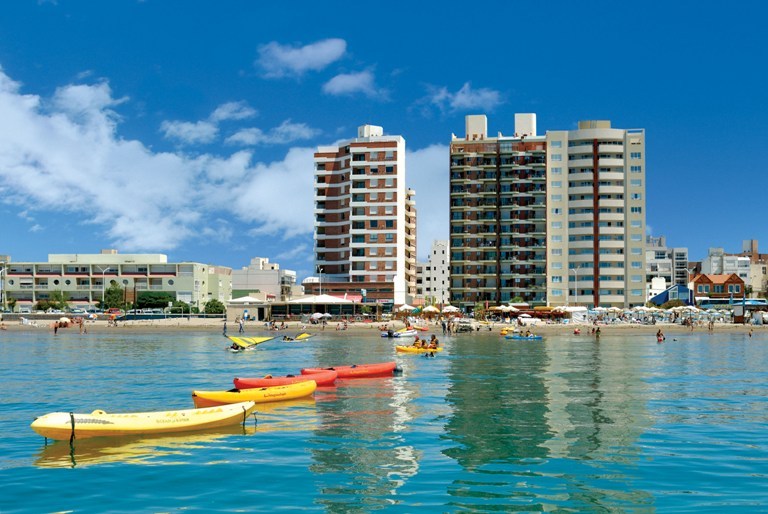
<point>382,369</point>
<point>324,379</point>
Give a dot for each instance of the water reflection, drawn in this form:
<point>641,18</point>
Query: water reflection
<point>531,417</point>
<point>154,450</point>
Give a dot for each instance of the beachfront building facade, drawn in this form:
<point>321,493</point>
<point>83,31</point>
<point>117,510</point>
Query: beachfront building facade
<point>663,262</point>
<point>436,274</point>
<point>267,278</point>
<point>717,262</point>
<point>365,219</point>
<point>596,216</point>
<point>83,279</point>
<point>497,214</point>
<point>551,220</point>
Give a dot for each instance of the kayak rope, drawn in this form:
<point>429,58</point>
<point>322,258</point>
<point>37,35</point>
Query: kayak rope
<point>72,436</point>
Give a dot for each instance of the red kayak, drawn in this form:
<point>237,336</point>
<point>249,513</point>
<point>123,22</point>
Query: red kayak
<point>324,379</point>
<point>382,369</point>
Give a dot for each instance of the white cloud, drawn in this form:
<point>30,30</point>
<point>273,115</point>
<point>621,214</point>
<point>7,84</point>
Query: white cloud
<point>205,131</point>
<point>190,133</point>
<point>352,83</point>
<point>286,132</point>
<point>299,251</point>
<point>67,156</point>
<point>427,174</point>
<point>232,111</point>
<point>283,60</point>
<point>465,98</point>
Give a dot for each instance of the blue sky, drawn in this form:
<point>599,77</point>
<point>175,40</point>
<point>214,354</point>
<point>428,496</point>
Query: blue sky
<point>187,128</point>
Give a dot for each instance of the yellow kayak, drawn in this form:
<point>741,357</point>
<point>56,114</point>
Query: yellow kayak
<point>258,395</point>
<point>413,349</point>
<point>59,425</point>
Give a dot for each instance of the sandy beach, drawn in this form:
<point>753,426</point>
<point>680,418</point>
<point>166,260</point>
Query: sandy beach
<point>367,329</point>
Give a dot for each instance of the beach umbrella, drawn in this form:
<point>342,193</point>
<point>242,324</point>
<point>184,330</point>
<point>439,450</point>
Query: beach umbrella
<point>326,315</point>
<point>431,308</point>
<point>65,320</point>
<point>450,308</point>
<point>317,315</point>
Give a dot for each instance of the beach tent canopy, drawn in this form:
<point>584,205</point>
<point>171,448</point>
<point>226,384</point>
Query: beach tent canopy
<point>431,308</point>
<point>245,299</point>
<point>405,307</point>
<point>320,299</point>
<point>450,308</point>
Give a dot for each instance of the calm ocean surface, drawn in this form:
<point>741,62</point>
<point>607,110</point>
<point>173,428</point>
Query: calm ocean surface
<point>489,425</point>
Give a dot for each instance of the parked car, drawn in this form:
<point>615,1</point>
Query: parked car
<point>115,311</point>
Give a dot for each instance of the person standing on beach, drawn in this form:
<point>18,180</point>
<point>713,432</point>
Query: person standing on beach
<point>241,327</point>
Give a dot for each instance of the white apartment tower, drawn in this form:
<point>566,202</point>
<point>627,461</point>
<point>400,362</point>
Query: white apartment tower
<point>435,275</point>
<point>596,216</point>
<point>365,218</point>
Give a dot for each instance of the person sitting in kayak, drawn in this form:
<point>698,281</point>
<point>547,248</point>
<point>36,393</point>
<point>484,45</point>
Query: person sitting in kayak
<point>235,347</point>
<point>528,333</point>
<point>286,338</point>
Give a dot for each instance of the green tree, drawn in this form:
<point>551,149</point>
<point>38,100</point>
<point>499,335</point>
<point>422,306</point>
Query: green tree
<point>58,299</point>
<point>673,303</point>
<point>214,307</point>
<point>153,300</point>
<point>517,299</point>
<point>114,297</point>
<point>180,307</point>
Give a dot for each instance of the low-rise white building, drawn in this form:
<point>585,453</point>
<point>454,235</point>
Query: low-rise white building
<point>266,278</point>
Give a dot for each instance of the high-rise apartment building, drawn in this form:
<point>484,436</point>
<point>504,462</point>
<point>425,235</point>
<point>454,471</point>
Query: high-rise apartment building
<point>553,219</point>
<point>365,218</point>
<point>596,215</point>
<point>498,214</point>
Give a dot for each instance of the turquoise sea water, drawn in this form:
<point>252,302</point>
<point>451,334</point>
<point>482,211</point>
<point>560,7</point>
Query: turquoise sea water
<point>569,424</point>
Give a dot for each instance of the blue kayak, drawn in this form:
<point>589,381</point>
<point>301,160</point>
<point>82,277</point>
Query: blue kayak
<point>525,338</point>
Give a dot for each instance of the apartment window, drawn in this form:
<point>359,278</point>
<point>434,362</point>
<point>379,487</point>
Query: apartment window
<point>373,196</point>
<point>556,144</point>
<point>636,251</point>
<point>636,264</point>
<point>635,278</point>
<point>635,292</point>
<point>557,279</point>
<point>635,169</point>
<point>374,224</point>
<point>635,155</point>
<point>636,210</point>
<point>556,157</point>
<point>389,223</point>
<point>557,239</point>
<point>389,210</point>
<point>389,155</point>
<point>557,210</point>
<point>636,182</point>
<point>557,198</point>
<point>557,225</point>
<point>557,251</point>
<point>390,169</point>
<point>557,292</point>
<point>636,196</point>
<point>636,237</point>
<point>734,288</point>
<point>389,238</point>
<point>373,211</point>
<point>557,171</point>
<point>557,183</point>
<point>373,238</point>
<point>636,224</point>
<point>389,182</point>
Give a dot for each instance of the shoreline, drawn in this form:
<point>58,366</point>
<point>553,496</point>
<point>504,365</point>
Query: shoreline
<point>357,328</point>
